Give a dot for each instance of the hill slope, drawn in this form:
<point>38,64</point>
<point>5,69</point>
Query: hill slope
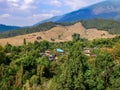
<point>4,28</point>
<point>113,27</point>
<point>26,30</point>
<point>109,9</point>
<point>58,34</point>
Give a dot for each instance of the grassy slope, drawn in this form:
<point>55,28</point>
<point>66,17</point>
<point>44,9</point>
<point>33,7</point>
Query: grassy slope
<point>109,25</point>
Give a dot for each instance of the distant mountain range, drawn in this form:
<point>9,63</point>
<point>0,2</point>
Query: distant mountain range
<point>109,9</point>
<point>4,28</point>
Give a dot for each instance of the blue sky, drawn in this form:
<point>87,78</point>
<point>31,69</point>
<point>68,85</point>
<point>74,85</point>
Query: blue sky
<point>29,12</point>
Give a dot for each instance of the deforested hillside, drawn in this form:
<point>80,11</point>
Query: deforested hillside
<point>26,30</point>
<point>59,33</point>
<point>113,27</point>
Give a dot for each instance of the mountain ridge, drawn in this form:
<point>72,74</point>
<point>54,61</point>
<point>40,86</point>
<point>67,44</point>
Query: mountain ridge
<point>4,28</point>
<point>108,9</point>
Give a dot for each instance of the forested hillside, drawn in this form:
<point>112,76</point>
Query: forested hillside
<point>61,66</point>
<point>111,26</point>
<point>4,28</point>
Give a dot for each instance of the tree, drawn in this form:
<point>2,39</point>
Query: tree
<point>42,68</point>
<point>72,71</point>
<point>2,55</point>
<point>76,37</point>
<point>105,64</point>
<point>24,41</point>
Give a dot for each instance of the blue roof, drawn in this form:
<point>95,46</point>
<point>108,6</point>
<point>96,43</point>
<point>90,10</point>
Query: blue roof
<point>60,50</point>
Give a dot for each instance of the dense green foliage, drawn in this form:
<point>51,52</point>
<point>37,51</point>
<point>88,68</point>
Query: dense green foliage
<point>111,26</point>
<point>23,67</point>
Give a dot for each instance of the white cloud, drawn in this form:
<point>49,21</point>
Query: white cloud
<point>24,5</point>
<point>24,21</point>
<point>40,17</point>
<point>29,1</point>
<point>76,4</point>
<point>28,12</point>
<point>5,15</point>
<point>13,1</point>
<point>1,0</point>
<point>28,20</point>
<point>55,3</point>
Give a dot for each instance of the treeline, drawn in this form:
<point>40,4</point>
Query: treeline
<point>24,67</point>
<point>113,27</point>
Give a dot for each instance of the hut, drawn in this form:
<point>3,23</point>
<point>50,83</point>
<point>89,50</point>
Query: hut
<point>87,51</point>
<point>52,57</point>
<point>60,50</point>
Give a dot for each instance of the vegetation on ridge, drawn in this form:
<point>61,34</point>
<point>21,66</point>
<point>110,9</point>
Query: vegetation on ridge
<point>113,27</point>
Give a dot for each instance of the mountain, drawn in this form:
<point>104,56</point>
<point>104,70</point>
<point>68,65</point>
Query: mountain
<point>53,19</point>
<point>109,9</point>
<point>4,28</point>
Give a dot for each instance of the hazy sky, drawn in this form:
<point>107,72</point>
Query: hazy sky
<point>29,12</point>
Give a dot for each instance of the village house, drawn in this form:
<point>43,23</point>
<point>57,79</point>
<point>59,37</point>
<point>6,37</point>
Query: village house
<point>87,51</point>
<point>50,56</point>
<point>61,51</point>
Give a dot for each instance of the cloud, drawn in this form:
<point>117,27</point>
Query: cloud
<point>13,0</point>
<point>40,17</point>
<point>27,4</point>
<point>76,4</point>
<point>1,0</point>
<point>29,1</point>
<point>24,21</point>
<point>5,15</point>
<point>28,20</point>
<point>16,5</point>
<point>28,12</point>
<point>56,3</point>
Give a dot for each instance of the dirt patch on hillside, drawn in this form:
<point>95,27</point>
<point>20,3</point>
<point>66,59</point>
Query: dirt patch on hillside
<point>58,34</point>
